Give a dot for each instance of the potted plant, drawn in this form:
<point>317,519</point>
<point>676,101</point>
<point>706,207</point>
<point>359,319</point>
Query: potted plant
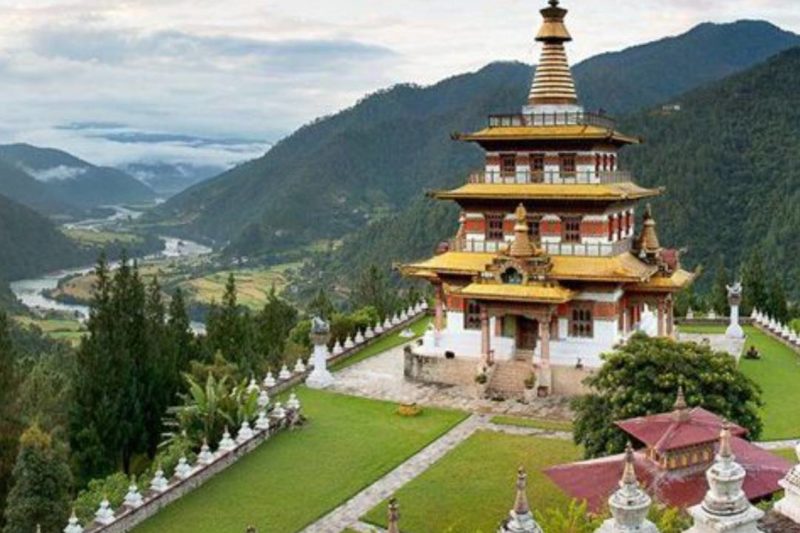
<point>530,388</point>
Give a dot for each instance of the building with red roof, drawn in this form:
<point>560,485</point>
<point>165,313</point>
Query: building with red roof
<point>675,450</point>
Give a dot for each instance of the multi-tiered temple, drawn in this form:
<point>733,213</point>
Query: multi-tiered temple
<point>546,266</point>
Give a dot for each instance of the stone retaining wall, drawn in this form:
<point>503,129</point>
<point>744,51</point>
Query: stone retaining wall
<point>432,369</point>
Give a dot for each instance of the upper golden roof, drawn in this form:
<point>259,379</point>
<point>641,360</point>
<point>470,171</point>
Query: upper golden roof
<point>544,191</point>
<point>623,268</point>
<point>562,132</point>
<point>678,280</point>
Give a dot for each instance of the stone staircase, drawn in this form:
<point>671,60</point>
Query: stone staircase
<point>508,379</point>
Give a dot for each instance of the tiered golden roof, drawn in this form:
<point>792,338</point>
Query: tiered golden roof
<point>548,293</point>
<point>567,132</point>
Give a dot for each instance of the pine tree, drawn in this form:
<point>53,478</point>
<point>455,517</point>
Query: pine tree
<point>274,323</point>
<point>719,291</point>
<point>231,332</point>
<point>41,490</point>
<point>754,284</point>
<point>320,306</point>
<point>9,426</point>
<point>776,305</point>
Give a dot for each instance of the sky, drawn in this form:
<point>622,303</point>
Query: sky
<point>215,82</point>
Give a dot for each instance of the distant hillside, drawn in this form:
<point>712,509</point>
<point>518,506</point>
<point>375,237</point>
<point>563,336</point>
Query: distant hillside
<point>650,74</point>
<point>168,179</point>
<point>332,177</point>
<point>23,188</point>
<point>30,244</point>
<point>74,181</point>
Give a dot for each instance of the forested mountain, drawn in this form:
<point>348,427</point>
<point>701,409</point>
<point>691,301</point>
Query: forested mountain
<point>29,244</point>
<point>729,160</point>
<point>336,175</point>
<point>74,181</point>
<point>23,188</point>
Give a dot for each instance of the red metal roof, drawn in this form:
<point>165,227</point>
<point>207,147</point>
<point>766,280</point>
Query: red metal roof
<point>595,480</point>
<point>665,432</point>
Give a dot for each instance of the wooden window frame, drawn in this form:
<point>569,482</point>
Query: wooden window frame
<point>567,160</point>
<point>511,170</point>
<point>571,229</point>
<point>581,322</point>
<point>495,230</point>
<point>535,227</point>
<point>472,315</point>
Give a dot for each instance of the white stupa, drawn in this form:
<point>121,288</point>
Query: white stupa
<point>227,444</point>
<point>520,519</point>
<point>789,505</point>
<point>320,377</point>
<point>725,507</point>
<point>133,498</point>
<point>284,374</point>
<point>338,348</point>
<point>245,433</point>
<point>279,413</point>
<point>159,483</point>
<point>299,366</point>
<point>184,469</point>
<point>206,457</point>
<point>263,399</point>
<point>359,338</point>
<point>262,422</point>
<point>269,381</point>
<point>105,514</point>
<point>734,330</point>
<point>629,505</point>
<point>73,526</point>
<point>293,403</point>
<point>349,343</point>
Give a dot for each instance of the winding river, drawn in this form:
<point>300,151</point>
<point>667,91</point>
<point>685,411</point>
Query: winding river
<point>33,292</point>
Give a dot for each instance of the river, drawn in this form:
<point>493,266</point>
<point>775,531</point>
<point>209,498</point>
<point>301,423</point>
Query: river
<point>33,292</point>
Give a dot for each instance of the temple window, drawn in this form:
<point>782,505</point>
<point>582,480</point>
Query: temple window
<point>533,227</point>
<point>598,162</point>
<point>511,276</point>
<point>508,165</point>
<point>605,161</point>
<point>611,219</point>
<point>494,227</point>
<point>612,162</point>
<point>537,168</point>
<point>568,163</point>
<point>582,324</point>
<point>571,229</point>
<point>472,315</point>
<point>628,222</point>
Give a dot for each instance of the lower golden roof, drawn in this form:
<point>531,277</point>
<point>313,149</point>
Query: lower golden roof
<point>546,191</point>
<point>680,279</point>
<point>543,133</point>
<point>540,293</point>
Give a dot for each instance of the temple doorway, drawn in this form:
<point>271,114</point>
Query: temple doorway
<point>527,334</point>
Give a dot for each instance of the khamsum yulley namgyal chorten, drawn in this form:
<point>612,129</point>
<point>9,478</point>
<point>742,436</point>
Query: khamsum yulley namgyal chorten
<point>546,271</point>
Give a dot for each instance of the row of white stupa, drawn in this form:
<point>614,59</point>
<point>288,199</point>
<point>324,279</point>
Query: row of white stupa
<point>725,507</point>
<point>782,330</point>
<point>372,331</point>
<point>134,499</point>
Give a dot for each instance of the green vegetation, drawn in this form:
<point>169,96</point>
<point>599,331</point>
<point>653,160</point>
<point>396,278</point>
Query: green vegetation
<point>537,423</point>
<point>101,238</point>
<point>472,487</point>
<point>297,477</point>
<point>642,377</point>
<point>253,285</point>
<point>69,330</point>
<point>386,343</point>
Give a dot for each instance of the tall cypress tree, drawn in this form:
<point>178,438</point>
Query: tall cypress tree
<point>42,483</point>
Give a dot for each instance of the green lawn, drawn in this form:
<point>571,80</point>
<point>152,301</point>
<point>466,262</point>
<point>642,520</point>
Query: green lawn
<point>778,373</point>
<point>384,344</point>
<point>299,476</point>
<point>537,423</point>
<point>472,488</point>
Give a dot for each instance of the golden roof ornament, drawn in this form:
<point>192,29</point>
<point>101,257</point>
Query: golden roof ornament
<point>629,473</point>
<point>648,241</point>
<point>522,245</point>
<point>553,83</point>
<point>681,407</point>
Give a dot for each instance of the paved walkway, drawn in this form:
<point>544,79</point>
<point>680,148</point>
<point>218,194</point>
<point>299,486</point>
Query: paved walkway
<point>381,378</point>
<point>778,444</point>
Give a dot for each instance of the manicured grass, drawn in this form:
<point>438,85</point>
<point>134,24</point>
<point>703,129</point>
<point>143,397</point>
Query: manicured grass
<point>387,343</point>
<point>787,453</point>
<point>548,425</point>
<point>473,487</point>
<point>778,373</point>
<point>297,477</point>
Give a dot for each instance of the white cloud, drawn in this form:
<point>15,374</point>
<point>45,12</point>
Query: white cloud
<point>257,69</point>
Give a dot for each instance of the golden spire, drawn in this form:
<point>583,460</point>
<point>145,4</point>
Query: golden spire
<point>629,473</point>
<point>521,506</point>
<point>553,83</point>
<point>522,246</point>
<point>681,407</point>
<point>725,449</point>
<point>648,242</point>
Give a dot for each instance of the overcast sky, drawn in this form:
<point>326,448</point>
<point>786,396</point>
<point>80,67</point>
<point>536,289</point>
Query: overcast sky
<point>86,75</point>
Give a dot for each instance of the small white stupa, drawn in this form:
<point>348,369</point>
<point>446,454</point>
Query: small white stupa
<point>293,403</point>
<point>184,469</point>
<point>133,498</point>
<point>369,333</point>
<point>789,505</point>
<point>520,519</point>
<point>338,348</point>
<point>629,505</point>
<point>349,343</point>
<point>206,457</point>
<point>159,483</point>
<point>104,515</point>
<point>263,399</point>
<point>269,381</point>
<point>279,413</point>
<point>299,366</point>
<point>227,444</point>
<point>359,338</point>
<point>252,387</point>
<point>284,374</point>
<point>378,328</point>
<point>734,330</point>
<point>245,433</point>
<point>387,324</point>
<point>725,507</point>
<point>73,526</point>
<point>262,422</point>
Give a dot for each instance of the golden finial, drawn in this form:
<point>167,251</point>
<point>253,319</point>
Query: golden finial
<point>521,505</point>
<point>725,449</point>
<point>629,473</point>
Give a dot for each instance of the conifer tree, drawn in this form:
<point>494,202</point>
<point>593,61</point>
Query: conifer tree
<point>9,428</point>
<point>274,323</point>
<point>754,284</point>
<point>719,291</point>
<point>320,306</point>
<point>373,290</point>
<point>42,482</point>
